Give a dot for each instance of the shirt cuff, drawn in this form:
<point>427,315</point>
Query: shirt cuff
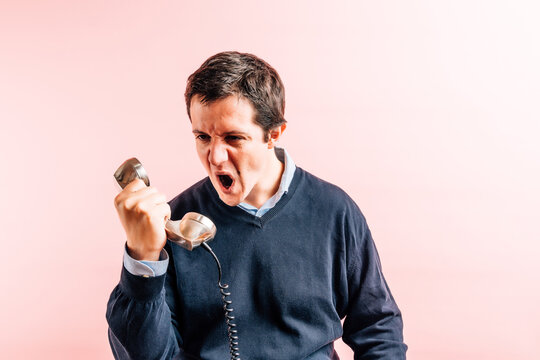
<point>146,268</point>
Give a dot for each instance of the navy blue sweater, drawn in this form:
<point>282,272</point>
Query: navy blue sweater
<point>293,274</point>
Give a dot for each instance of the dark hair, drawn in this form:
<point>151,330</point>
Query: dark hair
<point>233,73</point>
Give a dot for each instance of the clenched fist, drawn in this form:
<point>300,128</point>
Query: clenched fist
<point>143,212</point>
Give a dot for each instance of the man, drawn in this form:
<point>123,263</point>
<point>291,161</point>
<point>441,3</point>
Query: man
<point>295,250</point>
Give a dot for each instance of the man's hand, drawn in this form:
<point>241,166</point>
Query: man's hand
<point>143,212</point>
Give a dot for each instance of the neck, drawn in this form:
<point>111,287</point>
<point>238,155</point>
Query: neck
<point>269,184</point>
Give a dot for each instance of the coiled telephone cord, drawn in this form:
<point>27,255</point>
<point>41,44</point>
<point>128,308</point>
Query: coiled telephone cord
<point>231,331</point>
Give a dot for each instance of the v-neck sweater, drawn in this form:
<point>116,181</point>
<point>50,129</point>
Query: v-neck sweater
<point>293,275</point>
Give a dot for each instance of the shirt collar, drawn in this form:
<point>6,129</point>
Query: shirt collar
<point>286,179</point>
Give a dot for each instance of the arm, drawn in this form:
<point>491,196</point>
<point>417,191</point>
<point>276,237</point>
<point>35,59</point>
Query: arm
<point>373,326</point>
<point>140,311</point>
<point>140,321</point>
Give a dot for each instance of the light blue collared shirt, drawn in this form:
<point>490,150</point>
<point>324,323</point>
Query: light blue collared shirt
<point>157,268</point>
<point>286,179</point>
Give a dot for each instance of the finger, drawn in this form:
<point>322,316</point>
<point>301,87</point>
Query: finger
<point>157,198</point>
<point>163,210</point>
<point>151,200</point>
<point>159,213</point>
<point>143,198</point>
<point>129,198</point>
<point>135,185</point>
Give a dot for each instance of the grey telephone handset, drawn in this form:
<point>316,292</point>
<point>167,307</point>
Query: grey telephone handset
<point>192,231</point>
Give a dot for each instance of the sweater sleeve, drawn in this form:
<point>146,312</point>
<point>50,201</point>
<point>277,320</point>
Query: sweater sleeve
<point>141,317</point>
<point>373,325</point>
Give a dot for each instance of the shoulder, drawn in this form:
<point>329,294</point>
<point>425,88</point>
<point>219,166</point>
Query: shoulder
<point>330,200</point>
<point>325,193</point>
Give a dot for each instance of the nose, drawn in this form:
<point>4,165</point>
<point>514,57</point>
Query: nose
<point>217,153</point>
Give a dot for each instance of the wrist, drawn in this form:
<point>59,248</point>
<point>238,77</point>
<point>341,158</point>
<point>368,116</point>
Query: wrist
<point>143,255</point>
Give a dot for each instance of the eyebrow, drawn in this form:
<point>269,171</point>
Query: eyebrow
<point>233,132</point>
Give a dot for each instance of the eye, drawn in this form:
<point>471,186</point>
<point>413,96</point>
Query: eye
<point>233,138</point>
<point>202,137</point>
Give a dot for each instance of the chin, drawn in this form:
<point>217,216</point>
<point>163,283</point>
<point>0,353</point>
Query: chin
<point>228,200</point>
<point>228,196</point>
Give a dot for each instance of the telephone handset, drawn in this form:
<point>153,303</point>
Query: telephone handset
<point>193,230</point>
<point>190,232</point>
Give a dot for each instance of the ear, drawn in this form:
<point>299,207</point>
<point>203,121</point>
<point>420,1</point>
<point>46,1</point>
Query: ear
<point>275,134</point>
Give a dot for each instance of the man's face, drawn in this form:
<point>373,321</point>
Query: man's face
<point>231,147</point>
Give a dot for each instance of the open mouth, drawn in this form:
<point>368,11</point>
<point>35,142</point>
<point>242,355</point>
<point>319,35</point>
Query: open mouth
<point>226,181</point>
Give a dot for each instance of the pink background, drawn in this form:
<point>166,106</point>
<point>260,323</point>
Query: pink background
<point>425,112</point>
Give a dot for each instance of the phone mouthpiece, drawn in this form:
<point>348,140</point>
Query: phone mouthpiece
<point>190,232</point>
